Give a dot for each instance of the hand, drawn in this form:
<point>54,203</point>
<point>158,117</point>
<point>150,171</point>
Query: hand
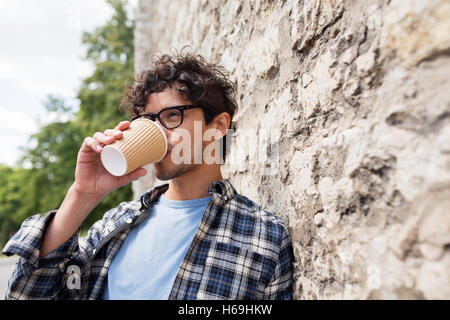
<point>91,178</point>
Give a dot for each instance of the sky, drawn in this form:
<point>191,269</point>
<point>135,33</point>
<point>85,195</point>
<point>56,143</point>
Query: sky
<point>40,54</point>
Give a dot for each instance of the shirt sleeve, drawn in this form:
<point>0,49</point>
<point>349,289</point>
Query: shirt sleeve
<point>35,278</point>
<point>280,286</point>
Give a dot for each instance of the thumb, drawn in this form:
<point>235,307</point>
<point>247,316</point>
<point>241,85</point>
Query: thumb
<point>134,175</point>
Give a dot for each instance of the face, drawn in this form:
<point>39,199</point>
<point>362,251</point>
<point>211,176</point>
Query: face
<point>166,168</point>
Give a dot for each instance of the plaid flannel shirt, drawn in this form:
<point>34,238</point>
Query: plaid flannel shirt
<point>239,251</point>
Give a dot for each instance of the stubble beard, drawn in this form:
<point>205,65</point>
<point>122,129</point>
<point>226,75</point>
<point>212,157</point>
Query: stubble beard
<point>166,171</point>
<point>170,173</point>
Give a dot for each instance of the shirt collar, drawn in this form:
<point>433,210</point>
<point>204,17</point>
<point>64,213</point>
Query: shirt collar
<point>222,188</point>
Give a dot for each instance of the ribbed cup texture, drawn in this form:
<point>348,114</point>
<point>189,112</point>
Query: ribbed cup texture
<point>142,143</point>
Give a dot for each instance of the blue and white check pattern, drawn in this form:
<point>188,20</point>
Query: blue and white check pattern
<point>239,251</point>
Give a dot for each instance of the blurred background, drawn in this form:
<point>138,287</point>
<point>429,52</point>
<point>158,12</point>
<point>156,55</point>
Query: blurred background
<point>63,68</point>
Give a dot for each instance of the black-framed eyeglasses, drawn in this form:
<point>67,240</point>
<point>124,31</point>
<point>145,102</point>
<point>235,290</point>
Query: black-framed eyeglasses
<point>170,118</point>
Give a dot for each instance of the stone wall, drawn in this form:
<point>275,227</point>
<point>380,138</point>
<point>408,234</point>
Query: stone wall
<point>357,95</point>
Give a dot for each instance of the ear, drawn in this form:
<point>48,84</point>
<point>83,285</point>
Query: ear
<point>221,122</point>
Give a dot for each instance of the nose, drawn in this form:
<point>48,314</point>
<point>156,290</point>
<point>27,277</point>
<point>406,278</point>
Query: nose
<point>159,122</point>
<point>156,120</point>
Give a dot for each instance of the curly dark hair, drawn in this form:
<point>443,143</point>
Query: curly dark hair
<point>205,84</point>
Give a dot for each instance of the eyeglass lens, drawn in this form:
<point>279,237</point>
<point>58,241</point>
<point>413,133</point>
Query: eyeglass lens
<point>171,117</point>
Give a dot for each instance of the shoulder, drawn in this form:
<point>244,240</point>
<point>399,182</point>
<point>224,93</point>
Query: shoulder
<point>124,208</point>
<point>265,230</point>
<point>112,219</point>
<point>128,209</point>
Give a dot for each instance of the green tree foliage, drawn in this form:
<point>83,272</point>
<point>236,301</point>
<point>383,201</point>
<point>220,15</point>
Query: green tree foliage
<point>47,168</point>
<point>14,185</point>
<point>111,49</point>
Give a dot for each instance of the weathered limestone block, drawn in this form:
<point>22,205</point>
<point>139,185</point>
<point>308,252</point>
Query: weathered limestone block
<point>343,131</point>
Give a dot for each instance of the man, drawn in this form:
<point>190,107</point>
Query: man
<point>193,238</point>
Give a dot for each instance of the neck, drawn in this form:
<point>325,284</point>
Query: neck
<point>193,184</point>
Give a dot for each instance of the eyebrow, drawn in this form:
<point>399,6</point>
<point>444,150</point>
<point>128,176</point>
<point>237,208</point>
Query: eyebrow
<point>175,105</point>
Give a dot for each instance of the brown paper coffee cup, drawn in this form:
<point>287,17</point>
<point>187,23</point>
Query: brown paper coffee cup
<point>142,143</point>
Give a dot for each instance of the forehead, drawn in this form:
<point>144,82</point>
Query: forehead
<point>169,97</point>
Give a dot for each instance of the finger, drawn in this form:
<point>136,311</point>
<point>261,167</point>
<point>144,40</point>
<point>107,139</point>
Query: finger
<point>91,144</point>
<point>117,134</point>
<point>109,132</point>
<point>136,174</point>
<point>123,125</point>
<point>101,138</point>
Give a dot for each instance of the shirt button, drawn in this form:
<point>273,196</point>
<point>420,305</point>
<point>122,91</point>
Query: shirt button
<point>129,220</point>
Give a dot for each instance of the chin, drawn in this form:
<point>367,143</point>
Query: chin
<point>159,166</point>
<point>163,170</point>
<point>160,175</point>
